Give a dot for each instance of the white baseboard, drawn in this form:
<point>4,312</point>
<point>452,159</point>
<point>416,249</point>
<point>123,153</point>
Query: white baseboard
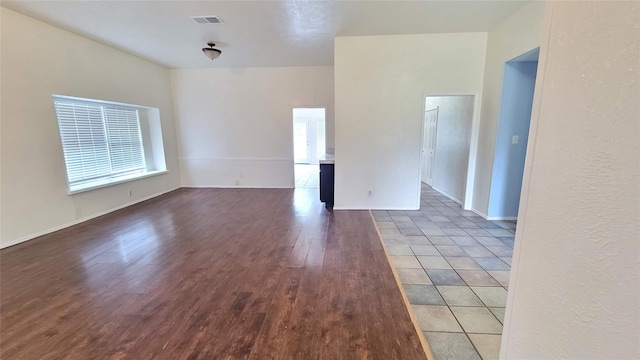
<point>76,222</point>
<point>493,218</point>
<point>447,195</point>
<point>238,172</point>
<point>498,218</point>
<point>483,215</point>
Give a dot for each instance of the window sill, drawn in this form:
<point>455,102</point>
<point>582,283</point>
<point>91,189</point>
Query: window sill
<point>119,180</point>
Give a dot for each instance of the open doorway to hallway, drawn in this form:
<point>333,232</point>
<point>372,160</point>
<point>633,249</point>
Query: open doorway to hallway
<point>446,144</point>
<point>309,145</point>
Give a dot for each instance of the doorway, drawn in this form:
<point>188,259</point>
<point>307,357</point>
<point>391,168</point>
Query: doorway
<point>512,136</point>
<point>309,145</point>
<point>446,144</point>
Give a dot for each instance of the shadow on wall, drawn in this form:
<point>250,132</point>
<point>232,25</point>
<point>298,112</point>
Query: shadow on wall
<point>512,136</point>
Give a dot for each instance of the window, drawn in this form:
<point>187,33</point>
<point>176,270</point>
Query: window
<point>102,142</point>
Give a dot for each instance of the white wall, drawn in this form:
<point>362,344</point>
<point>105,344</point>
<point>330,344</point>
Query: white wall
<point>380,84</point>
<point>517,35</point>
<point>575,282</point>
<point>39,60</point>
<point>235,125</point>
<point>453,139</point>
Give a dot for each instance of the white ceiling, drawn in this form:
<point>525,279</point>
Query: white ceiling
<point>257,33</point>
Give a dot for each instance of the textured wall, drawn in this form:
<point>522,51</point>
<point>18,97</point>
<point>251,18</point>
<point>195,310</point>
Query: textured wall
<point>575,281</point>
<point>515,36</point>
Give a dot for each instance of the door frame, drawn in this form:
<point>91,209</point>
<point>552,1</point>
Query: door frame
<point>473,144</point>
<point>326,126</point>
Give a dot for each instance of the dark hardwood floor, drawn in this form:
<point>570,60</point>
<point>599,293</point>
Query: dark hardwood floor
<point>207,274</point>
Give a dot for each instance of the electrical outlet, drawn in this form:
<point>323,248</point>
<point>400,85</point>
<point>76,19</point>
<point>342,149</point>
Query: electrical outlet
<point>237,182</point>
<point>514,139</point>
<point>370,192</point>
<point>130,193</point>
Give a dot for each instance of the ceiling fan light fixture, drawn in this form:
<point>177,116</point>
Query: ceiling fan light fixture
<point>211,52</point>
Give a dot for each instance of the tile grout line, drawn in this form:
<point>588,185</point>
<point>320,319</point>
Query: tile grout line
<point>405,299</point>
<point>467,286</point>
<point>466,334</point>
<point>415,256</point>
<point>447,304</point>
<point>458,321</point>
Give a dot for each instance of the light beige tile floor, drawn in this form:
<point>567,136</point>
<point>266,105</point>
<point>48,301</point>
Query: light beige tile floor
<point>487,345</point>
<point>454,267</point>
<point>477,320</point>
<point>436,318</point>
<point>491,296</point>
<point>459,296</point>
<point>405,262</point>
<point>413,276</point>
<point>451,346</point>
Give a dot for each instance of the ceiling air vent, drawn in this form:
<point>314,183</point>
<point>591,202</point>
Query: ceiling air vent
<point>207,19</point>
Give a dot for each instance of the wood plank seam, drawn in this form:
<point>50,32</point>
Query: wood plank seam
<point>202,274</point>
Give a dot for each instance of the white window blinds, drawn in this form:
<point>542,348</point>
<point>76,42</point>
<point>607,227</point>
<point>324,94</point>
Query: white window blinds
<point>125,143</point>
<point>99,141</point>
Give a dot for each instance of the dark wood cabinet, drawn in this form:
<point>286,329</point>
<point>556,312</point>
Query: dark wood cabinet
<point>326,184</point>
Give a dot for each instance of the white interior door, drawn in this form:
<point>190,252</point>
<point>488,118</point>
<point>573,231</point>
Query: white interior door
<point>429,144</point>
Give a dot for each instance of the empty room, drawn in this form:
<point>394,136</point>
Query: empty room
<point>319,180</point>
